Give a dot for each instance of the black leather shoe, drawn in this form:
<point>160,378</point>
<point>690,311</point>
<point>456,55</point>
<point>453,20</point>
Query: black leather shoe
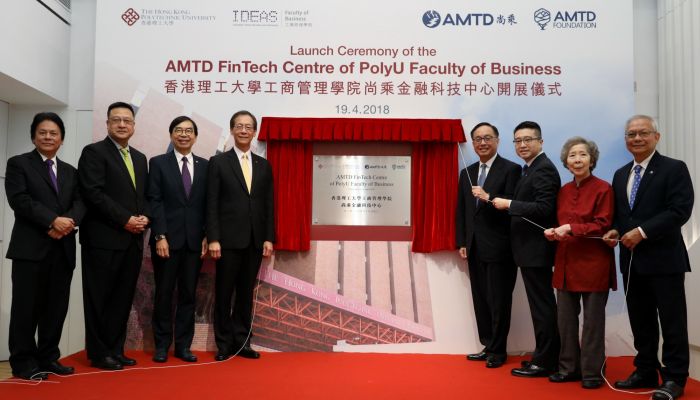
<point>592,383</point>
<point>668,388</point>
<point>480,356</point>
<point>125,361</point>
<point>186,355</point>
<point>248,352</point>
<point>57,368</point>
<point>493,361</point>
<point>108,363</point>
<point>639,381</point>
<point>222,355</point>
<point>532,371</point>
<point>160,356</point>
<point>558,377</point>
<point>525,363</point>
<point>31,375</point>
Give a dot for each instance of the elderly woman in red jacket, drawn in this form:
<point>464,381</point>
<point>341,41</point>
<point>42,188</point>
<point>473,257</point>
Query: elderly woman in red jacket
<point>584,267</point>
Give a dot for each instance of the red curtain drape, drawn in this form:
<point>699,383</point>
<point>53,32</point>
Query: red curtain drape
<point>434,182</point>
<point>434,172</point>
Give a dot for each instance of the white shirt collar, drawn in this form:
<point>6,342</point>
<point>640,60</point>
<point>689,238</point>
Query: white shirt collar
<point>645,162</point>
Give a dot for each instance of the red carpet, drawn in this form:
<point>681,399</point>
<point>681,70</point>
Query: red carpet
<point>306,376</point>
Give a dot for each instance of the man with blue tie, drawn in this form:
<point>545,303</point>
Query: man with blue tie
<point>483,236</point>
<point>240,230</point>
<point>653,199</point>
<point>177,188</point>
<point>43,193</point>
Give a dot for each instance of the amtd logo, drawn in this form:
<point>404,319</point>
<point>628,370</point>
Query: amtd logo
<point>432,19</point>
<point>130,16</point>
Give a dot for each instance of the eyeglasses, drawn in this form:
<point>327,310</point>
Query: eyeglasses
<point>180,131</point>
<point>642,134</point>
<point>527,140</point>
<point>118,120</point>
<point>241,127</point>
<point>485,139</point>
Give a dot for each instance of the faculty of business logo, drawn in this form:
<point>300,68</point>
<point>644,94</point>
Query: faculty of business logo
<point>130,16</point>
<point>431,18</point>
<point>579,19</point>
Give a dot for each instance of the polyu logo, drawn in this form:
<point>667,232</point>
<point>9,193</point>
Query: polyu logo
<point>130,16</point>
<point>431,18</point>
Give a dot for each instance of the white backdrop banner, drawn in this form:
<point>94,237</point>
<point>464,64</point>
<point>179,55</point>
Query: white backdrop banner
<point>567,65</point>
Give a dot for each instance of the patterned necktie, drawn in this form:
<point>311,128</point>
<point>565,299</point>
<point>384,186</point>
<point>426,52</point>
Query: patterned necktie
<point>129,166</point>
<point>54,181</point>
<point>186,178</point>
<point>635,184</point>
<point>481,179</point>
<point>246,171</point>
<point>525,169</point>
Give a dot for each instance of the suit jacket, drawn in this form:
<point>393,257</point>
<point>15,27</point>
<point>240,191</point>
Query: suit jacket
<point>663,203</point>
<point>36,204</point>
<point>109,194</point>
<point>484,226</point>
<point>233,214</point>
<point>180,218</point>
<point>535,198</point>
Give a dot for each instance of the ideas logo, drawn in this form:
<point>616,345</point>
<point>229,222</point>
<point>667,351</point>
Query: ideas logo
<point>130,16</point>
<point>431,18</point>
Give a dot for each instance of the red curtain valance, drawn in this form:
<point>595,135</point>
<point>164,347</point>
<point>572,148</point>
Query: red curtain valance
<point>361,129</point>
<point>433,176</point>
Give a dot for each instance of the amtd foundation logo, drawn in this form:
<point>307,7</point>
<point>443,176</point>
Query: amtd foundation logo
<point>433,19</point>
<point>575,19</point>
<point>130,16</point>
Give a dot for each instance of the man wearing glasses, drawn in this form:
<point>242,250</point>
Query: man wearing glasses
<point>240,230</point>
<point>534,206</point>
<point>177,189</point>
<point>653,199</point>
<point>483,236</point>
<point>112,178</point>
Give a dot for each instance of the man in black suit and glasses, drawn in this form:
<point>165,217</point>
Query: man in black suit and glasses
<point>240,230</point>
<point>483,236</point>
<point>177,195</point>
<point>113,179</point>
<point>653,199</point>
<point>43,192</point>
<point>535,199</point>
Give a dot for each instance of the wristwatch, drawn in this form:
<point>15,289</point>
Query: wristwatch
<point>159,237</point>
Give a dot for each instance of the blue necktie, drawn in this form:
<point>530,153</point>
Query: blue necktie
<point>186,178</point>
<point>481,179</point>
<point>54,181</point>
<point>635,184</point>
<point>525,169</point>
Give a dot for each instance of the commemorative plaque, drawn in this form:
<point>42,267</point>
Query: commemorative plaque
<point>362,190</point>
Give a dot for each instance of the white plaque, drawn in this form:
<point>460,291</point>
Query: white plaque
<point>362,190</point>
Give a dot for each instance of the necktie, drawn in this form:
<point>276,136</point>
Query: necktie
<point>129,166</point>
<point>186,178</point>
<point>246,171</point>
<point>54,181</point>
<point>481,179</point>
<point>635,183</point>
<point>525,169</point>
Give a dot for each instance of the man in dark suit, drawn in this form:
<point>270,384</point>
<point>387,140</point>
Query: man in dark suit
<point>535,202</point>
<point>483,236</point>
<point>653,199</point>
<point>177,189</point>
<point>240,230</point>
<point>113,178</point>
<point>43,192</point>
